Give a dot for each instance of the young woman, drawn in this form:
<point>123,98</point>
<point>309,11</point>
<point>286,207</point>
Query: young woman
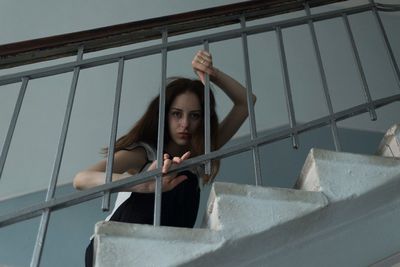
<point>183,138</point>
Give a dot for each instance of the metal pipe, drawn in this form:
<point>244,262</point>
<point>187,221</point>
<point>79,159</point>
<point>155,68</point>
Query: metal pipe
<point>385,39</point>
<point>334,129</point>
<point>207,127</point>
<point>286,84</point>
<point>175,45</point>
<point>367,94</point>
<point>13,122</point>
<point>114,127</point>
<point>82,196</point>
<point>41,235</point>
<point>160,138</point>
<point>250,104</point>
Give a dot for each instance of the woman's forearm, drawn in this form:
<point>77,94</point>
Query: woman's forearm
<point>88,179</point>
<point>232,88</point>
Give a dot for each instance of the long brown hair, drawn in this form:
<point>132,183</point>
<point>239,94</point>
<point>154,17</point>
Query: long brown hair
<point>146,128</point>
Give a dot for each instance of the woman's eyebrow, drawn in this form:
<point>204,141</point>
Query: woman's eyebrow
<point>178,109</point>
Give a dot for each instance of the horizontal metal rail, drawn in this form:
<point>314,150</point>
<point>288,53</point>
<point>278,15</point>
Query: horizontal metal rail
<point>78,197</point>
<point>175,45</point>
<point>42,49</point>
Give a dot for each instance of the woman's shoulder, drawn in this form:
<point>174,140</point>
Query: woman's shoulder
<point>142,147</point>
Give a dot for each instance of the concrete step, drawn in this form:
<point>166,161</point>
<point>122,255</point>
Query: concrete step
<point>342,176</point>
<point>242,210</point>
<point>341,198</point>
<point>235,212</point>
<point>123,244</point>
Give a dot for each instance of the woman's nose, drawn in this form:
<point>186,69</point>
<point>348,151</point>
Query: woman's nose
<point>184,121</point>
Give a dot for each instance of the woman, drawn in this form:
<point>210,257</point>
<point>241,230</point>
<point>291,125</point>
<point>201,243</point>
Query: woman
<point>183,138</point>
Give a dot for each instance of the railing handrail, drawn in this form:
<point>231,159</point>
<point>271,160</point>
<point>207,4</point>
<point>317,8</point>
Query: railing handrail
<point>174,45</point>
<point>42,49</point>
<point>95,192</point>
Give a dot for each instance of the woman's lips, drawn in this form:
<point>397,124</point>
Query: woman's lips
<point>184,135</point>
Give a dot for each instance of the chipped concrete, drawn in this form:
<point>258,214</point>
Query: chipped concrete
<point>343,176</point>
<point>390,144</point>
<point>257,209</point>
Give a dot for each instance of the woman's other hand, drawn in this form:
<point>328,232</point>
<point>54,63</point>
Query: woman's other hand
<point>169,181</point>
<point>202,63</point>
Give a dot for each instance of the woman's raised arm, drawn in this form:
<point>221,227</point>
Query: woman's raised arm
<point>202,63</point>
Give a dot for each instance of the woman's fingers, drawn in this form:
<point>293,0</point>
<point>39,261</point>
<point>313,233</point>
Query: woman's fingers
<point>167,164</point>
<point>202,63</point>
<point>185,156</point>
<point>170,181</point>
<point>152,166</point>
<point>176,160</point>
<point>204,55</point>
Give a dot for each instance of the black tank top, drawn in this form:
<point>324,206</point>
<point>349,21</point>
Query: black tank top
<point>179,206</point>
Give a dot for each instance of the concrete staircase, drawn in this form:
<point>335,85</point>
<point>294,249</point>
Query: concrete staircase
<point>345,211</point>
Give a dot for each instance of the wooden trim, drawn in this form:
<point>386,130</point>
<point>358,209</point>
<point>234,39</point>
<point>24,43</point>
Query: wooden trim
<point>36,50</point>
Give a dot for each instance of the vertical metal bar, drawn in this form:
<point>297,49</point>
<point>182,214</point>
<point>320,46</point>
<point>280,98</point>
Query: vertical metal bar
<point>334,129</point>
<point>41,235</point>
<point>13,123</point>
<point>367,94</point>
<point>286,83</point>
<point>250,105</point>
<point>161,123</point>
<point>389,50</point>
<point>114,127</point>
<point>207,130</point>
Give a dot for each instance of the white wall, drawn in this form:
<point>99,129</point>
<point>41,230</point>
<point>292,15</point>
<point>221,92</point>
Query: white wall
<point>29,164</point>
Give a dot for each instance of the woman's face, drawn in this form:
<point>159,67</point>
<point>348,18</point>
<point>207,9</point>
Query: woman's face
<point>184,118</point>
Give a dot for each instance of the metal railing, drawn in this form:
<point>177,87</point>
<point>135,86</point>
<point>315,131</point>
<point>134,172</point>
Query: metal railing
<point>61,46</point>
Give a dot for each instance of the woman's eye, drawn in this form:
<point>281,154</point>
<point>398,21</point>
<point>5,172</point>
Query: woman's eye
<point>195,116</point>
<point>176,114</point>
